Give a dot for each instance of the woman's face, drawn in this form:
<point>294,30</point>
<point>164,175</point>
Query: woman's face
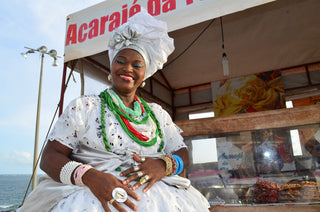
<point>127,71</point>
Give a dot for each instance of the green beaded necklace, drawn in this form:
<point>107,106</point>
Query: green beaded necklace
<point>133,113</point>
<point>116,110</point>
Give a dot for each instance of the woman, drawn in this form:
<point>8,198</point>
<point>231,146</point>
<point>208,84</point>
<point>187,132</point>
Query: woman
<point>115,152</point>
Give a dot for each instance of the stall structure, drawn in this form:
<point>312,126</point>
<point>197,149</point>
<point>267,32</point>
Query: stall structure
<point>241,61</point>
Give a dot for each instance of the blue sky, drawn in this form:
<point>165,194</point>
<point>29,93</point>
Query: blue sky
<point>30,23</point>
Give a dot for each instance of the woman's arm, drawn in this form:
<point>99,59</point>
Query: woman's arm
<point>56,155</point>
<point>184,155</point>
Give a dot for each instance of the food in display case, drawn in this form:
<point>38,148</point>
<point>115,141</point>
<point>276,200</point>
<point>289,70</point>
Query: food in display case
<point>265,192</point>
<point>258,191</point>
<point>261,167</point>
<point>305,191</point>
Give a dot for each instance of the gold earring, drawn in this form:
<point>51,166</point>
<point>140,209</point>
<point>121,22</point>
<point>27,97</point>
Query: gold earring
<point>109,77</point>
<point>143,84</point>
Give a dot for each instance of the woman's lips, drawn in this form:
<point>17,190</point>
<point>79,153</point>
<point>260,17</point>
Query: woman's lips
<point>126,77</point>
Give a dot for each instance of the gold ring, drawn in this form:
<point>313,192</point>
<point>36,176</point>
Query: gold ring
<point>144,179</point>
<point>111,201</point>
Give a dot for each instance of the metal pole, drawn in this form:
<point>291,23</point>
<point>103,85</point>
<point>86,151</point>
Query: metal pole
<point>35,154</point>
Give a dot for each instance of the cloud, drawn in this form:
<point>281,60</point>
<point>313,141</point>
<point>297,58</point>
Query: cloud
<point>16,162</point>
<point>22,157</point>
<point>17,157</point>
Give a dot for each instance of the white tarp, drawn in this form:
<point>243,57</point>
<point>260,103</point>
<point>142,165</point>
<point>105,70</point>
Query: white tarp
<point>88,31</point>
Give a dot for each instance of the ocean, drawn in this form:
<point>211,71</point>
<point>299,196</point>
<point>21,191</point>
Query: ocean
<point>12,190</point>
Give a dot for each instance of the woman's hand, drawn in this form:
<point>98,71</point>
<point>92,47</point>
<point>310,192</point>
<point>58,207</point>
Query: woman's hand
<point>154,168</point>
<point>102,184</point>
<point>56,155</point>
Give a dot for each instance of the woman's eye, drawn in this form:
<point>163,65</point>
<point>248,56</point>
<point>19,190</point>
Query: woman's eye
<point>120,61</point>
<point>137,66</point>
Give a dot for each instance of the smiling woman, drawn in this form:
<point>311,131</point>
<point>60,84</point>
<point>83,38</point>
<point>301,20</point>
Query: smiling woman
<point>128,70</point>
<point>114,151</point>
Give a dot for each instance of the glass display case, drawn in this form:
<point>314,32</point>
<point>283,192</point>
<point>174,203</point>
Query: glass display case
<point>277,165</point>
<point>258,167</point>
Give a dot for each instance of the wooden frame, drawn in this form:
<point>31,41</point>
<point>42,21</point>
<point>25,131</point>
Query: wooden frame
<point>271,119</point>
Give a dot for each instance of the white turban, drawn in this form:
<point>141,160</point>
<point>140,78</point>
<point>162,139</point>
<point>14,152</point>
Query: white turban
<point>148,36</point>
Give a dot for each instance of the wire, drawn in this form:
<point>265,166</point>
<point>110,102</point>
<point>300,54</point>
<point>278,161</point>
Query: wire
<point>222,32</point>
<point>190,44</point>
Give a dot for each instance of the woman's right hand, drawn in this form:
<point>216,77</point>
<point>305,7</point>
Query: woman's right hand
<point>102,184</point>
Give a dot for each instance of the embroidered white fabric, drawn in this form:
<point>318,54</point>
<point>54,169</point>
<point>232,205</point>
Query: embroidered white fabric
<point>79,124</point>
<point>160,198</point>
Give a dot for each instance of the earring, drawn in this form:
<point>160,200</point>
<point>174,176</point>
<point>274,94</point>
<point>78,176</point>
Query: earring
<point>143,84</point>
<point>109,77</point>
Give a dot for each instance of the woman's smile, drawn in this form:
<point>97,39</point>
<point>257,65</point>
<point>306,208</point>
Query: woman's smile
<point>128,69</point>
<point>126,77</point>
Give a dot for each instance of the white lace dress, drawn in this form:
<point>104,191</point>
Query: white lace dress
<point>79,126</point>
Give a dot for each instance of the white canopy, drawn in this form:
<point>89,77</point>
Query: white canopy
<point>88,30</point>
<point>258,36</point>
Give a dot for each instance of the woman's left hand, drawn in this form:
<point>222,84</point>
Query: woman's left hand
<point>154,169</point>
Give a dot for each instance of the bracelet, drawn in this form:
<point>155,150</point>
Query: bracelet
<point>67,170</point>
<point>79,172</point>
<point>180,164</point>
<point>168,164</point>
<point>171,164</point>
<point>174,164</point>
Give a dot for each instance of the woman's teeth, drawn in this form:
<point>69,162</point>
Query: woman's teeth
<point>125,77</point>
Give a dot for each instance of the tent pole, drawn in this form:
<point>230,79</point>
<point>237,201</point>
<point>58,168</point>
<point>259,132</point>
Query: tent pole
<point>82,77</point>
<point>62,88</point>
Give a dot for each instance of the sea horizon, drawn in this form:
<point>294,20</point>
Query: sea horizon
<point>13,189</point>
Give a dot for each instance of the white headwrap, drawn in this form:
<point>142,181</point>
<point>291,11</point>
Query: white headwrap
<point>148,36</point>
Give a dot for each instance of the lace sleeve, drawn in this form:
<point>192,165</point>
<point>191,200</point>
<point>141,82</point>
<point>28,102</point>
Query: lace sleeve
<point>171,132</point>
<point>70,125</point>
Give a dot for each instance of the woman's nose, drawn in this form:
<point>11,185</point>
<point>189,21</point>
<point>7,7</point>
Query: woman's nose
<point>128,67</point>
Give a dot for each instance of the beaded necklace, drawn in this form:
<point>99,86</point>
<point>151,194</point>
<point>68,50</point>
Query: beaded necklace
<point>136,112</point>
<point>124,119</point>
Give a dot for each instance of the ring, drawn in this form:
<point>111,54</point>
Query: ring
<point>111,201</point>
<point>146,176</point>
<point>136,168</point>
<point>139,174</point>
<point>144,179</point>
<point>143,159</point>
<point>119,195</point>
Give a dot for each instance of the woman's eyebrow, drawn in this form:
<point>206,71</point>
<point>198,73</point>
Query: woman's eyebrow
<point>122,56</point>
<point>136,61</point>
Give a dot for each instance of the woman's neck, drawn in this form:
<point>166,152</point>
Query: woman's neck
<point>127,98</point>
